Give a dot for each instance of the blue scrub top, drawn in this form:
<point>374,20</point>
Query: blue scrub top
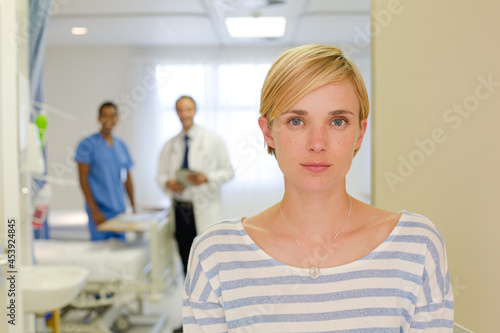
<point>107,163</point>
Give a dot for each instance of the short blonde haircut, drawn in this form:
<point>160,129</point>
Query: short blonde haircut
<point>303,69</point>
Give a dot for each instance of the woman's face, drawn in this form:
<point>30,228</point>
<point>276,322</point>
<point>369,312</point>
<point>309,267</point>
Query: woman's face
<point>315,139</point>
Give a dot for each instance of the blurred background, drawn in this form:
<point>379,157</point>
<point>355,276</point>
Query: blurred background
<point>143,55</point>
<point>431,69</point>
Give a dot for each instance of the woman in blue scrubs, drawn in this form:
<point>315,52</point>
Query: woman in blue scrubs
<point>102,160</point>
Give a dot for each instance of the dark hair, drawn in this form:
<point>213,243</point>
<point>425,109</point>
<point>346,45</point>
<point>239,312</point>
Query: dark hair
<point>188,97</point>
<point>107,104</point>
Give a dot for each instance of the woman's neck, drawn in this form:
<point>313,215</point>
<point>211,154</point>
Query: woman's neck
<point>315,214</point>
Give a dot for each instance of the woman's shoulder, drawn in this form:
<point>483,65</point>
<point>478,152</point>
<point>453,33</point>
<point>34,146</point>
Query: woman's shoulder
<point>373,221</point>
<point>408,227</point>
<point>402,219</point>
<point>419,225</point>
<point>222,232</point>
<point>403,226</point>
<point>226,225</point>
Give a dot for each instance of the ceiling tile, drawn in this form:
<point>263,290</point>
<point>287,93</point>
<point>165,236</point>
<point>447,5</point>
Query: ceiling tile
<point>160,30</point>
<point>338,5</point>
<point>331,29</point>
<point>103,7</point>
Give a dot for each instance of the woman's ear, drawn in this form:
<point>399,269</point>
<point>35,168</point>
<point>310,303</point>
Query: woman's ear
<point>266,130</point>
<point>364,124</point>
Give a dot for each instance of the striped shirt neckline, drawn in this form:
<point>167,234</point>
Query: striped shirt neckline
<point>325,270</point>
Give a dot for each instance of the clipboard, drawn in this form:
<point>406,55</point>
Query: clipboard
<point>181,176</point>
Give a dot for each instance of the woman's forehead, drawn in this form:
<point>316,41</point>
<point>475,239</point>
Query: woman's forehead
<point>337,95</point>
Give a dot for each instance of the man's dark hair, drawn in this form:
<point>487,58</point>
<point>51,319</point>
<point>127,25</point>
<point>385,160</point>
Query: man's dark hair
<point>106,104</point>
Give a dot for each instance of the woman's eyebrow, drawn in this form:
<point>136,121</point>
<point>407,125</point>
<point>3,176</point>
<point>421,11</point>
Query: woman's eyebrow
<point>297,112</point>
<point>337,112</point>
<point>331,113</point>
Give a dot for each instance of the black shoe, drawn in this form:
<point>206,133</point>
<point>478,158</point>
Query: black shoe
<point>178,330</point>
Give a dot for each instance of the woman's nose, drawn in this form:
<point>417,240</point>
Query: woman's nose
<point>317,139</point>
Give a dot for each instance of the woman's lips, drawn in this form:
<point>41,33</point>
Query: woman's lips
<point>316,167</point>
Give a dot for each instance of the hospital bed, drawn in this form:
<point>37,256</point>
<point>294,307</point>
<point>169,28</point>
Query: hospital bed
<point>121,274</point>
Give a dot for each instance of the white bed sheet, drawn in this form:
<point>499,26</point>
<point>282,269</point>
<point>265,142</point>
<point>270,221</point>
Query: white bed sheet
<point>107,261</point>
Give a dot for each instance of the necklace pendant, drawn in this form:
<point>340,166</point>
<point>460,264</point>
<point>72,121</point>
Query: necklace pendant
<point>314,272</point>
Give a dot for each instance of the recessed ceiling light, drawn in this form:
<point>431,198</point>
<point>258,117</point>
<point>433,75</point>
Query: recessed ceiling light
<point>79,30</point>
<point>256,27</point>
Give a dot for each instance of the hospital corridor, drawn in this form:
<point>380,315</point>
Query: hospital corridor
<point>143,142</point>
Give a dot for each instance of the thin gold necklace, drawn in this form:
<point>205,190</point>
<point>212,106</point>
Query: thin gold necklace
<point>314,271</point>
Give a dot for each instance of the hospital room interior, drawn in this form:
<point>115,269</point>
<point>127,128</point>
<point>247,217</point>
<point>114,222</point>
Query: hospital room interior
<point>432,74</point>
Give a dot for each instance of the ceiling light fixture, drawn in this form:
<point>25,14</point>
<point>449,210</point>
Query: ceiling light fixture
<point>252,3</point>
<point>79,30</point>
<point>256,27</point>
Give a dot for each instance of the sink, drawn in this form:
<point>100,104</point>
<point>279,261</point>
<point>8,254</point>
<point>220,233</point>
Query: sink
<point>47,288</point>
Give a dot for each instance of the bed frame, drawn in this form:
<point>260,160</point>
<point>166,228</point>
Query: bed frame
<point>102,306</point>
<point>162,262</point>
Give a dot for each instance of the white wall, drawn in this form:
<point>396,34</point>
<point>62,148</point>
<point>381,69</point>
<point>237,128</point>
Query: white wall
<point>78,79</point>
<point>431,59</point>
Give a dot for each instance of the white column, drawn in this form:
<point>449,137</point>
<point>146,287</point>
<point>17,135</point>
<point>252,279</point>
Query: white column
<point>10,200</point>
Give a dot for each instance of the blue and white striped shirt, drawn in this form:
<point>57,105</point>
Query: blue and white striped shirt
<point>401,286</point>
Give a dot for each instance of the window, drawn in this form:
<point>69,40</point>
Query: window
<point>228,98</point>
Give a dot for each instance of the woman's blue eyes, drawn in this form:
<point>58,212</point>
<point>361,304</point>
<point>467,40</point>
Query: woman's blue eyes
<point>339,122</point>
<point>336,122</point>
<point>295,121</point>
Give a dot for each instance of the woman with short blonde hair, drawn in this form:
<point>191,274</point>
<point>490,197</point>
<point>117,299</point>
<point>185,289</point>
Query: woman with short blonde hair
<point>318,260</point>
<point>304,69</point>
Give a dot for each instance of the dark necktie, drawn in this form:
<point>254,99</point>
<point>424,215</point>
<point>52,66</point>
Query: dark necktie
<point>185,164</point>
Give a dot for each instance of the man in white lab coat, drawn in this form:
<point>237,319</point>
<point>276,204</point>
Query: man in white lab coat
<point>191,168</point>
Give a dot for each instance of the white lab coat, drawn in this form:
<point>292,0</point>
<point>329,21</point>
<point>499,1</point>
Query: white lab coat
<point>207,154</point>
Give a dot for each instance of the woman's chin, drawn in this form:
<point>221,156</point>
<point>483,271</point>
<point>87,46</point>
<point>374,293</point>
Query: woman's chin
<point>315,185</point>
